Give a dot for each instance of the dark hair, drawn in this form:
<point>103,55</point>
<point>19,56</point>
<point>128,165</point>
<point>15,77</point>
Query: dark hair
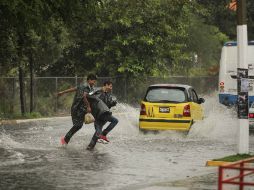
<point>108,82</point>
<point>91,77</point>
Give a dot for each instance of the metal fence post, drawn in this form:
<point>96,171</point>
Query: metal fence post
<point>56,97</point>
<point>220,181</point>
<point>241,175</point>
<point>125,89</point>
<point>13,95</point>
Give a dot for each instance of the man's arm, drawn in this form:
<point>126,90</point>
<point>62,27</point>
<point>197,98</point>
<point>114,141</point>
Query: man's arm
<point>66,91</point>
<point>111,101</point>
<point>86,102</point>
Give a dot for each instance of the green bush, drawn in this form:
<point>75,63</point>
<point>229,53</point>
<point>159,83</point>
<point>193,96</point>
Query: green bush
<point>32,115</point>
<point>234,158</point>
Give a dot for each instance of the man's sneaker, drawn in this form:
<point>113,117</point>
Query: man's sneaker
<point>63,142</point>
<point>90,147</point>
<point>103,139</point>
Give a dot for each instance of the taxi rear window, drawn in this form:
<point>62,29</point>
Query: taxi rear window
<point>158,94</point>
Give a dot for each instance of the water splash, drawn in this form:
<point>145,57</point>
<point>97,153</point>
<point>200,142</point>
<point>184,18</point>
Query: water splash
<point>8,142</point>
<point>220,122</point>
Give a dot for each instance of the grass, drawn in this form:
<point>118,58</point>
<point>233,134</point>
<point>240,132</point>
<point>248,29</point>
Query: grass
<point>234,158</point>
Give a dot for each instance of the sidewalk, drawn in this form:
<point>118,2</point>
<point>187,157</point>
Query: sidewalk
<point>19,121</point>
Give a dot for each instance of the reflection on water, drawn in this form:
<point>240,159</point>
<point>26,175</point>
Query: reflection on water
<point>62,167</point>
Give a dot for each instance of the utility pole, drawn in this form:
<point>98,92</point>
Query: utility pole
<point>242,75</point>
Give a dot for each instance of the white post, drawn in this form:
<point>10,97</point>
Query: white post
<point>242,44</point>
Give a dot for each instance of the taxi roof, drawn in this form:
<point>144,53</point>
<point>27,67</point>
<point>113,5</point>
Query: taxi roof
<point>171,85</point>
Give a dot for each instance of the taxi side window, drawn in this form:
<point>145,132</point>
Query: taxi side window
<point>190,95</point>
<point>194,96</point>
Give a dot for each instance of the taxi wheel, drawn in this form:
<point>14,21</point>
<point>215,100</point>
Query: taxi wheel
<point>186,133</point>
<point>142,131</point>
<point>192,122</point>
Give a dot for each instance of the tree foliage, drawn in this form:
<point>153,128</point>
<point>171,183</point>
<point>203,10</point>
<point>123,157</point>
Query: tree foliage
<point>112,37</point>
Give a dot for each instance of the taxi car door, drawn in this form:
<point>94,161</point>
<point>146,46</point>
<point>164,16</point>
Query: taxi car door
<point>196,107</point>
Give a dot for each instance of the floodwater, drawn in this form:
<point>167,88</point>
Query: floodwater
<point>31,156</point>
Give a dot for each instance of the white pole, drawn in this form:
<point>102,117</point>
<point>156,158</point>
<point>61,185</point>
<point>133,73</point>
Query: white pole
<point>242,44</point>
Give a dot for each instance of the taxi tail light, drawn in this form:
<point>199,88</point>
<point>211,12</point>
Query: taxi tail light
<point>251,115</point>
<point>143,109</point>
<point>186,111</point>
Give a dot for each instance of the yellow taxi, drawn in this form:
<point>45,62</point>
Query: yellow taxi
<point>170,107</point>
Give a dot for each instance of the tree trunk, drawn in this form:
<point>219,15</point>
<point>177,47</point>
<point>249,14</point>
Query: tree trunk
<point>13,95</point>
<point>21,88</point>
<point>31,84</point>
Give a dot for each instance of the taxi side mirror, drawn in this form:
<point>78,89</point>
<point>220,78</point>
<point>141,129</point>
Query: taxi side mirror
<point>201,100</point>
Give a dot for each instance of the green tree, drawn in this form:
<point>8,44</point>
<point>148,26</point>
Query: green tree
<point>38,36</point>
<point>204,41</point>
<point>219,15</point>
<point>129,37</point>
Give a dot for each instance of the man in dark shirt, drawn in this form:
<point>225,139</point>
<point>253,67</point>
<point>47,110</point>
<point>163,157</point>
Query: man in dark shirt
<point>107,100</point>
<point>80,106</point>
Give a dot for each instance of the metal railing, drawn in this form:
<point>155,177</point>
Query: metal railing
<point>127,90</point>
<point>237,175</point>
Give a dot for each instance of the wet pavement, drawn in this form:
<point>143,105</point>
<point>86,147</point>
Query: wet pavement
<point>31,156</point>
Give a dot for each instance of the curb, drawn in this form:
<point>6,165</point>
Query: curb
<point>8,122</point>
<point>19,121</point>
<point>217,163</point>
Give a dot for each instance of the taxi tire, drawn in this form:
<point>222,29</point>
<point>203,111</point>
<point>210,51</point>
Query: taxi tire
<point>187,132</point>
<point>142,131</point>
<point>192,122</point>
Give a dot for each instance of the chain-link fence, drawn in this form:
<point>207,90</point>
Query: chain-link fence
<point>128,90</point>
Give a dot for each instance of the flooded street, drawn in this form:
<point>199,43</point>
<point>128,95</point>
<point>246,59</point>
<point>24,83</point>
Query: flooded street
<point>31,156</point>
